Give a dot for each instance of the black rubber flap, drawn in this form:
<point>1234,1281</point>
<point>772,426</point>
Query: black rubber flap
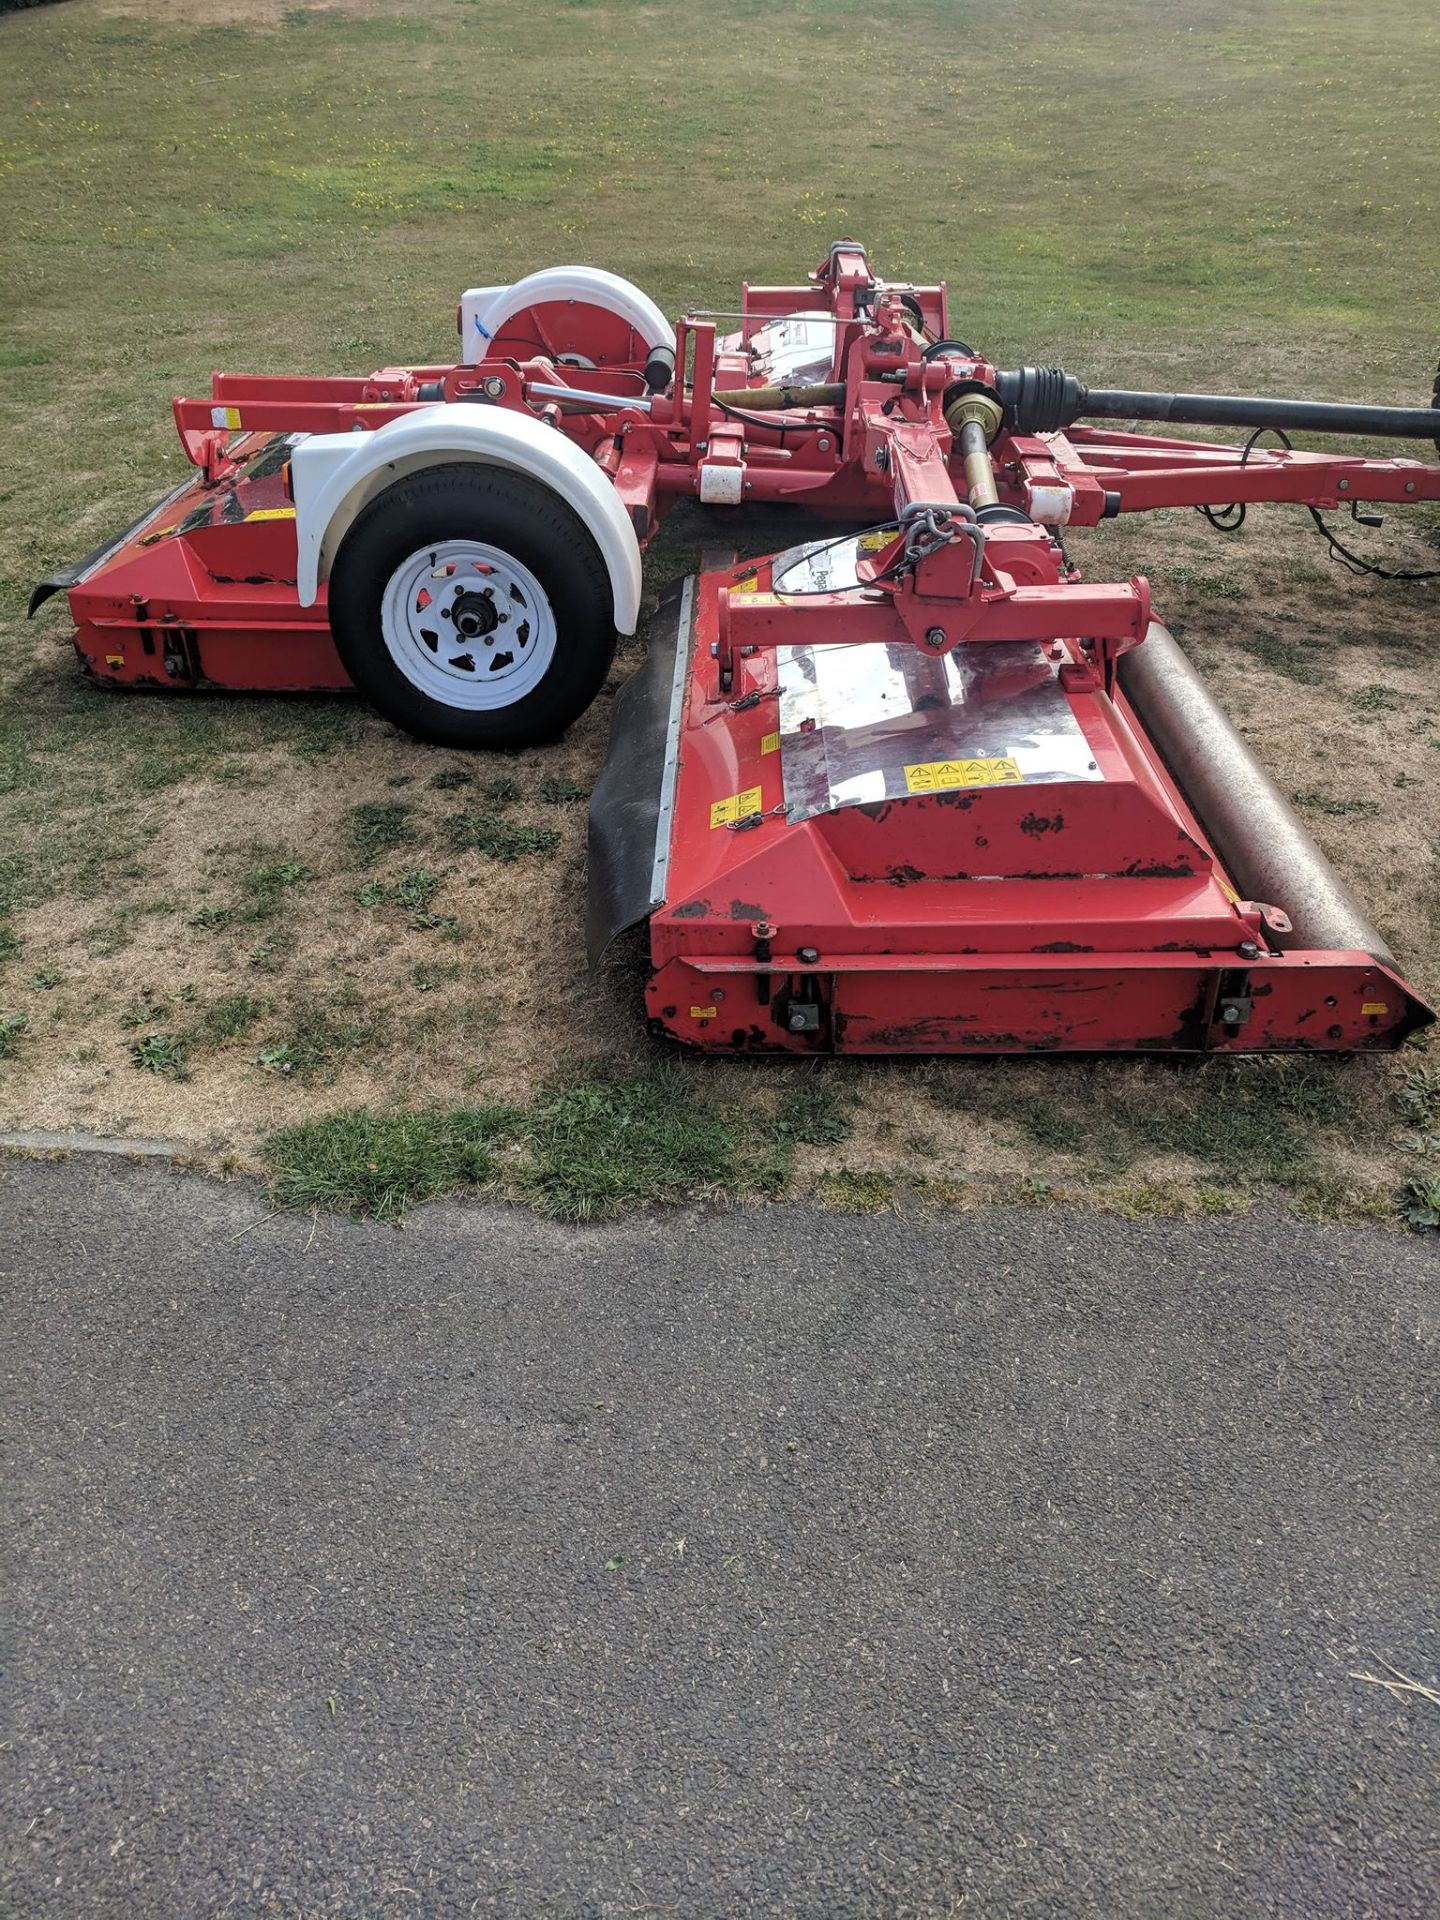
<point>630,809</point>
<point>66,577</point>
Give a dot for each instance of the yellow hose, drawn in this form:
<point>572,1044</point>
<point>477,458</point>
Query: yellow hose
<point>780,399</point>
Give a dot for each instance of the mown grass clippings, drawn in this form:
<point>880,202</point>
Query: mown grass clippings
<point>856,1190</point>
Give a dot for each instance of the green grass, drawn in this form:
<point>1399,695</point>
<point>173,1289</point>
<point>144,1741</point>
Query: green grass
<point>583,1152</point>
<point>562,793</point>
<point>382,1164</point>
<point>605,1146</point>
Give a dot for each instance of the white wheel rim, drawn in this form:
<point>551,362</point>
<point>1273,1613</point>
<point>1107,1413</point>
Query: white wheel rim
<point>468,625</point>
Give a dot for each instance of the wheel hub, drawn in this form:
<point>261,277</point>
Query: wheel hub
<point>474,614</point>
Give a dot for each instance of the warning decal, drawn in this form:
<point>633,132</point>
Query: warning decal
<point>770,743</point>
<point>941,776</point>
<point>737,806</point>
<point>271,513</point>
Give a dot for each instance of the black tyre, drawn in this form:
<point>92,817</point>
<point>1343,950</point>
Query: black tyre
<point>472,607</point>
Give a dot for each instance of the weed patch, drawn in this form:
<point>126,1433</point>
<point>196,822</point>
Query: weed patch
<point>320,1033</point>
<point>500,839</point>
<point>377,827</point>
<point>413,891</point>
<point>852,1191</point>
<point>815,1112</point>
<point>163,1053</point>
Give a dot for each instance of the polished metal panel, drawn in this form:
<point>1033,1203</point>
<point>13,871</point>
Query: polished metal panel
<point>861,724</point>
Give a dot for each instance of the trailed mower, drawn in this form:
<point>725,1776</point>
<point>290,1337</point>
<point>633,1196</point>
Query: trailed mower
<point>914,787</point>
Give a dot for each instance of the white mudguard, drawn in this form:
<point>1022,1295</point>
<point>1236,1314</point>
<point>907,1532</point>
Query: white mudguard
<point>335,475</point>
<point>485,310</point>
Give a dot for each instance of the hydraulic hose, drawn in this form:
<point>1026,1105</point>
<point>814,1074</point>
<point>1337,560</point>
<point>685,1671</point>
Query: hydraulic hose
<point>781,399</point>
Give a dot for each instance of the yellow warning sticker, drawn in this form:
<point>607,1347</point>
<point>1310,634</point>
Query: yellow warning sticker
<point>225,417</point>
<point>737,806</point>
<point>702,1013</point>
<point>939,776</point>
<point>770,743</point>
<point>1375,1007</point>
<point>873,542</point>
<point>752,585</point>
<point>272,513</point>
<point>114,659</point>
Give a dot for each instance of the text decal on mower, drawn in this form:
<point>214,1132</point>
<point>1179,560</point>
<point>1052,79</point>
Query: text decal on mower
<point>938,776</point>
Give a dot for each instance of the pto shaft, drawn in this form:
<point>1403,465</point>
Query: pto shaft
<point>1046,400</point>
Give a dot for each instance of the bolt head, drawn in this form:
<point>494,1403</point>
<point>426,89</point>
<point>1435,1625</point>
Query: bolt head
<point>935,638</point>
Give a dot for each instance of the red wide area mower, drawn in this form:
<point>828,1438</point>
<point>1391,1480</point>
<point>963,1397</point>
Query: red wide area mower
<point>919,787</point>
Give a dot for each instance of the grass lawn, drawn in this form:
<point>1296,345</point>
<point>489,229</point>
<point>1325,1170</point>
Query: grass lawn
<point>281,933</point>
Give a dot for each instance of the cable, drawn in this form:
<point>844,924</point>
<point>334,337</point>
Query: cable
<point>826,546</point>
<point>1353,563</point>
<point>781,426</point>
<point>1230,519</point>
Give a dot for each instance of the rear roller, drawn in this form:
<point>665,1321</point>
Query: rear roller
<point>471,606</point>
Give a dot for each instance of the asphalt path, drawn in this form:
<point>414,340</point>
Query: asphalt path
<point>759,1561</point>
